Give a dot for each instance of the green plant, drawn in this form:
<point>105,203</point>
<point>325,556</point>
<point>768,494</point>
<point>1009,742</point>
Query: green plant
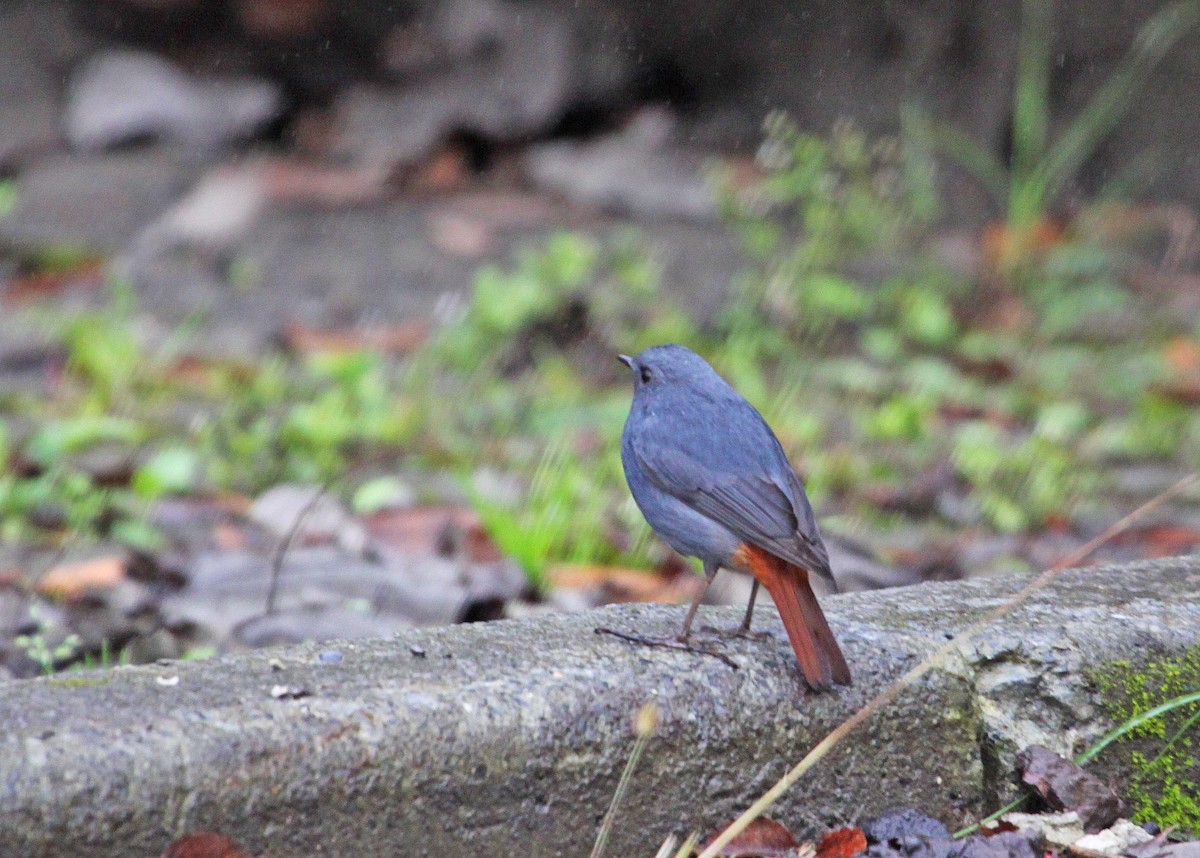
<point>1020,483</point>
<point>9,197</point>
<point>822,203</point>
<point>37,647</point>
<point>1040,168</point>
<point>1159,705</point>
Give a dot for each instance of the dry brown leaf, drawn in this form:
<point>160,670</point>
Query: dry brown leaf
<point>1065,786</point>
<point>617,584</point>
<point>433,530</point>
<point>72,580</point>
<point>447,169</point>
<point>400,338</point>
<point>842,843</point>
<point>282,19</point>
<point>763,838</point>
<point>227,536</point>
<point>459,235</point>
<point>26,288</point>
<point>294,180</point>
<point>204,844</point>
<point>1183,355</point>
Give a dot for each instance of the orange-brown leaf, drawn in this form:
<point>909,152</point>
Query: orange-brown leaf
<point>762,838</point>
<point>842,843</point>
<point>616,584</point>
<point>71,580</point>
<point>400,338</point>
<point>204,844</point>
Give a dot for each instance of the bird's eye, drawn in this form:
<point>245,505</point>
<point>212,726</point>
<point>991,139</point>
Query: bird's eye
<point>645,375</point>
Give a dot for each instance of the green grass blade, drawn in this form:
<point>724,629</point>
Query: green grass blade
<point>1031,102</point>
<point>1134,723</point>
<point>971,156</point>
<point>1155,38</point>
<point>1104,741</point>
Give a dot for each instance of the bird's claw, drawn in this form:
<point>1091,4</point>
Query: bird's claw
<point>738,632</point>
<point>677,642</point>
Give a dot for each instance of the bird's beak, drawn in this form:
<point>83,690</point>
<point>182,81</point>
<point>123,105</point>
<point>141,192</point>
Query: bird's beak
<point>626,359</point>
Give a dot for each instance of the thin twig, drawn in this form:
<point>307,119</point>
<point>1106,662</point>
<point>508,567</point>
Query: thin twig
<point>281,549</point>
<point>893,691</point>
<point>666,643</point>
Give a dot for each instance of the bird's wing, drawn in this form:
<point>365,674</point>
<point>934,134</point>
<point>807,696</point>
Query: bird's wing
<point>749,501</point>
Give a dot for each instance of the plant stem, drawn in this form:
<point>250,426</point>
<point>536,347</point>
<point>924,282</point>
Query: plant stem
<point>1031,112</point>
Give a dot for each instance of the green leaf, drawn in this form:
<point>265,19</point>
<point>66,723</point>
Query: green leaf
<point>174,470</point>
<point>380,493</point>
<point>138,534</point>
<point>927,318</point>
<point>9,197</point>
<point>833,295</point>
<point>72,434</point>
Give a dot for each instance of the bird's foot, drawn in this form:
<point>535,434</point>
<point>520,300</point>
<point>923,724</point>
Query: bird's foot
<point>682,644</point>
<point>737,632</point>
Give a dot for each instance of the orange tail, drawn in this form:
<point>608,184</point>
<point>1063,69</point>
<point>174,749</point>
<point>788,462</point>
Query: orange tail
<point>817,650</point>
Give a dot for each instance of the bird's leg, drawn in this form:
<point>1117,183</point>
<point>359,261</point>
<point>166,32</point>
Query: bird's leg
<point>710,572</point>
<point>743,630</point>
<point>750,608</point>
<point>680,641</point>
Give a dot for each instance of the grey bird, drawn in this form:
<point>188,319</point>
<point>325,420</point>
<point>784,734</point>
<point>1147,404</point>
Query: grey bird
<point>713,481</point>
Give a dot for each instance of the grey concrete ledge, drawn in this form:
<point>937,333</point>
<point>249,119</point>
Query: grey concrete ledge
<point>508,738</point>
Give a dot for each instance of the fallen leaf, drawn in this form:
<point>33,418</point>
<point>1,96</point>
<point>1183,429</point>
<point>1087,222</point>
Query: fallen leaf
<point>1065,786</point>
<point>616,584</point>
<point>227,536</point>
<point>763,837</point>
<point>70,581</point>
<point>33,286</point>
<point>1000,826</point>
<point>1185,391</point>
<point>448,169</point>
<point>293,180</point>
<point>842,843</point>
<point>204,844</point>
<point>459,235</point>
<point>282,19</point>
<point>1183,355</point>
<point>401,338</point>
<point>440,530</point>
<point>1165,540</point>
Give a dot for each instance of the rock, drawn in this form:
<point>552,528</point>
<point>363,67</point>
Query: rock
<point>1064,785</point>
<point>1114,840</point>
<point>900,823</point>
<point>511,736</point>
<point>496,69</point>
<point>638,172</point>
<point>1059,830</point>
<point>36,41</point>
<point>855,567</point>
<point>298,625</point>
<point>309,515</point>
<point>227,588</point>
<point>123,95</point>
<point>215,214</point>
<point>124,192</point>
